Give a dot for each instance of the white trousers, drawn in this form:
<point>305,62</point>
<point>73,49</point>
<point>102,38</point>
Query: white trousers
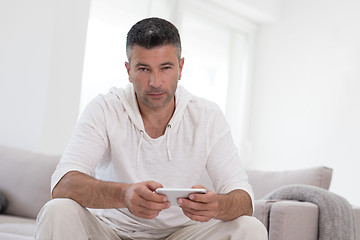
<point>62,219</point>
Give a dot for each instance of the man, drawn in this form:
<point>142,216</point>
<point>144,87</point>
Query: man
<point>149,135</point>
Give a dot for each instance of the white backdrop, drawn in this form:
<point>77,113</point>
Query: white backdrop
<point>306,92</point>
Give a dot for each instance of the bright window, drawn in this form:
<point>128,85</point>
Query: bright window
<point>206,47</point>
<point>105,54</point>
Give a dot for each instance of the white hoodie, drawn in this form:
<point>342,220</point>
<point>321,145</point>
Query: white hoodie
<point>110,143</point>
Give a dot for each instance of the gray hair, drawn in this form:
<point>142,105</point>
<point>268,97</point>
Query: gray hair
<point>153,32</point>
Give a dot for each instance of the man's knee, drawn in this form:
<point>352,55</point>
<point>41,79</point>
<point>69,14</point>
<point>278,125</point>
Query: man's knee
<point>59,207</point>
<point>250,228</point>
<point>61,219</point>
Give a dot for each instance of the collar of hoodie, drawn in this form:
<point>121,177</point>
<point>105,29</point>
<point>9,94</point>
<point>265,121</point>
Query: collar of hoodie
<point>128,100</point>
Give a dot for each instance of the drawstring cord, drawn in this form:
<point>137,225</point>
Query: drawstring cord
<point>139,147</point>
<point>168,143</point>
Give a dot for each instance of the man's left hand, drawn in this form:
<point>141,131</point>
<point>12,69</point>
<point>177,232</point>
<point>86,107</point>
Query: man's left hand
<point>200,207</point>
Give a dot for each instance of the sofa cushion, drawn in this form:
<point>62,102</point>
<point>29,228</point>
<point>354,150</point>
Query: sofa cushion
<point>25,180</point>
<point>10,236</point>
<point>17,225</point>
<point>265,182</point>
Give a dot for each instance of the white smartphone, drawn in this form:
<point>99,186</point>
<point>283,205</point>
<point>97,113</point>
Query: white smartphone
<point>174,193</point>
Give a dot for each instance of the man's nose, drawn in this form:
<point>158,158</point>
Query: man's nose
<point>155,80</point>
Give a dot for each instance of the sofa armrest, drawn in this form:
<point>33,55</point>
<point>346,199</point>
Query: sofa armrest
<point>293,220</point>
<point>262,211</point>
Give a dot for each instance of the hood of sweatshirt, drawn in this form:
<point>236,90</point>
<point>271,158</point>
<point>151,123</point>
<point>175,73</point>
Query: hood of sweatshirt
<point>129,101</point>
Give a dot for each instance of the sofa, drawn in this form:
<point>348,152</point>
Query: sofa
<point>25,184</point>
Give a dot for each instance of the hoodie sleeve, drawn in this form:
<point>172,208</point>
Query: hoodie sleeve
<point>224,166</point>
<point>87,144</point>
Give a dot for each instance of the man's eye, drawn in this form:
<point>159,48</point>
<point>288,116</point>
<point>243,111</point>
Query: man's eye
<point>166,68</point>
<point>143,69</point>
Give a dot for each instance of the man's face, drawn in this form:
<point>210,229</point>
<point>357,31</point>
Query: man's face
<point>154,74</point>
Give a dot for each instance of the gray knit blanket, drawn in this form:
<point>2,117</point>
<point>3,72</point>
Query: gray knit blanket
<point>336,219</point>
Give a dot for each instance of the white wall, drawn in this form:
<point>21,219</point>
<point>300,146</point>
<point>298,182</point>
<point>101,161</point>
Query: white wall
<point>41,57</point>
<point>305,100</point>
<point>261,10</point>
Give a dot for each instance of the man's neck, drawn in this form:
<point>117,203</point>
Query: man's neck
<point>156,120</point>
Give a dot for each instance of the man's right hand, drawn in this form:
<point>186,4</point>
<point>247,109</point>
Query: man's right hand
<point>142,201</point>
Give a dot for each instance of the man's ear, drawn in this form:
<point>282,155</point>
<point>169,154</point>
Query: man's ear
<point>127,65</point>
<point>181,65</point>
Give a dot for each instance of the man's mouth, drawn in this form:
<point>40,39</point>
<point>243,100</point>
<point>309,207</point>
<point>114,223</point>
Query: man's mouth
<point>156,94</point>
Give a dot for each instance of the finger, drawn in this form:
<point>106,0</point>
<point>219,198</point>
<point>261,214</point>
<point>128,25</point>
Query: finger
<point>205,212</point>
<point>141,195</point>
<point>145,209</point>
<point>203,198</point>
<point>196,217</point>
<point>152,196</point>
<point>151,205</point>
<point>189,204</point>
<point>148,192</point>
<point>198,206</point>
<point>145,213</point>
